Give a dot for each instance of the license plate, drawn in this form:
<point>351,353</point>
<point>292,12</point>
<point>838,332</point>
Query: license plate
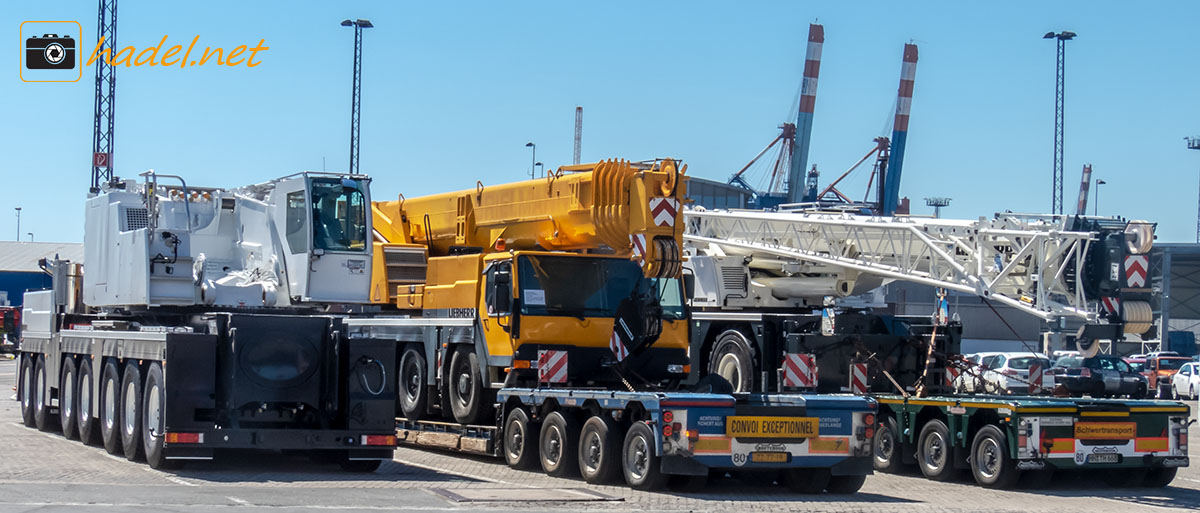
<point>1103,458</point>
<point>769,457</point>
<point>1105,430</point>
<point>771,427</point>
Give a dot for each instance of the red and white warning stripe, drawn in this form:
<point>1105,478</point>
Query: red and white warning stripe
<point>663,210</point>
<point>552,366</point>
<point>799,370</point>
<point>638,241</point>
<point>1111,304</point>
<point>952,375</point>
<point>858,378</point>
<point>1136,267</point>
<point>617,347</point>
<point>812,68</point>
<point>1035,379</point>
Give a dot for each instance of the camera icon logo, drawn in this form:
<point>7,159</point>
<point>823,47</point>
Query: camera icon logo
<point>50,51</point>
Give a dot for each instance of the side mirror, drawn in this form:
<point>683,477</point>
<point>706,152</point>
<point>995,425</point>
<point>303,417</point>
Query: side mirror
<point>689,287</point>
<point>503,293</point>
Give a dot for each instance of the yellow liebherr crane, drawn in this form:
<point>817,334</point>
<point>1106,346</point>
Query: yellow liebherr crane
<point>568,279</point>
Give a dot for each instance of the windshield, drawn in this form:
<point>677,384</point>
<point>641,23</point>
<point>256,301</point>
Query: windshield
<point>1137,366</point>
<point>339,215</point>
<point>587,287</point>
<point>1024,362</point>
<point>1171,363</point>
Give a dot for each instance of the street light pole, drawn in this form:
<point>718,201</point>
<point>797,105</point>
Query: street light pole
<point>356,90</point>
<point>30,234</point>
<point>532,159</point>
<point>541,166</point>
<point>18,209</point>
<point>1096,206</point>
<point>1056,194</point>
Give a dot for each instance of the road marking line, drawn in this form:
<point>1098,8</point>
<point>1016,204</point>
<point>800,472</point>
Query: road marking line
<point>237,500</point>
<point>460,473</point>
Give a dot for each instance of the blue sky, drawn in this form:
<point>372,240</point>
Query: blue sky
<point>453,91</point>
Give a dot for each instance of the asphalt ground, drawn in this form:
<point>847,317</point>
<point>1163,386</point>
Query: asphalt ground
<point>42,471</point>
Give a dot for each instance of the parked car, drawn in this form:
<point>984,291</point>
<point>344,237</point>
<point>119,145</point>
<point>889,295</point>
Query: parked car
<point>1100,376</point>
<point>1159,371</point>
<point>1008,373</point>
<point>972,381</point>
<point>1186,380</point>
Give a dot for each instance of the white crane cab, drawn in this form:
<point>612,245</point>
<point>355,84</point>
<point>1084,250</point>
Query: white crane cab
<point>294,241</point>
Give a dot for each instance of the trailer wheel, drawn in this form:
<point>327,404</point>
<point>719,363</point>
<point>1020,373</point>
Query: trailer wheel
<point>1160,477</point>
<point>154,424</point>
<point>599,450</point>
<point>639,463</point>
<point>414,394</point>
<point>467,400</point>
<point>66,399</point>
<point>131,411</point>
<point>846,484</point>
<point>41,391</point>
<point>520,449</point>
<point>558,444</point>
<point>731,359</point>
<point>885,447</point>
<point>807,480</point>
<point>990,463</point>
<point>26,390</point>
<point>110,402</point>
<point>85,420</point>
<point>934,448</point>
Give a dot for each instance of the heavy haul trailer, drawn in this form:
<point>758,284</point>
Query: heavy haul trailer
<point>773,310</point>
<point>552,311</point>
<point>198,324</point>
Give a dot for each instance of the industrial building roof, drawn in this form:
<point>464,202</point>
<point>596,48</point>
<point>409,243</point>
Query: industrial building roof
<point>22,257</point>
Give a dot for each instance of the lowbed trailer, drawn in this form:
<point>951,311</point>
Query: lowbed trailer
<point>1141,442</point>
<point>820,442</point>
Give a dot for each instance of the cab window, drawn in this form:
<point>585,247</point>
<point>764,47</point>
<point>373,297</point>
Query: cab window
<point>339,215</point>
<point>297,223</point>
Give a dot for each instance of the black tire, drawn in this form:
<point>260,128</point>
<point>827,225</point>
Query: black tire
<point>846,484</point>
<point>468,397</point>
<point>67,399</point>
<point>1159,477</point>
<point>558,445</point>
<point>1140,393</point>
<point>412,389</point>
<point>886,447</point>
<point>154,410</point>
<point>1097,390</point>
<point>85,405</point>
<point>520,446</point>
<point>25,390</point>
<point>807,480</point>
<point>639,464</point>
<point>110,407</point>
<point>732,359</point>
<point>41,396</point>
<point>935,451</point>
<point>600,450</point>
<point>131,414</point>
<point>990,464</point>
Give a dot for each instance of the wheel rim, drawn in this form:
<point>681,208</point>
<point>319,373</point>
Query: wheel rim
<point>85,400</point>
<point>110,407</point>
<point>130,408</point>
<point>463,386</point>
<point>27,387</point>
<point>884,445</point>
<point>41,389</point>
<point>154,412</point>
<point>636,459</point>
<point>552,450</point>
<point>730,368</point>
<point>68,396</point>
<point>987,458</point>
<point>412,385</point>
<point>593,450</point>
<point>516,440</point>
<point>933,452</point>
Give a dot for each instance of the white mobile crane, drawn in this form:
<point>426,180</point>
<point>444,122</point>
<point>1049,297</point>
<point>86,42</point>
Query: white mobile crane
<point>761,277</point>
